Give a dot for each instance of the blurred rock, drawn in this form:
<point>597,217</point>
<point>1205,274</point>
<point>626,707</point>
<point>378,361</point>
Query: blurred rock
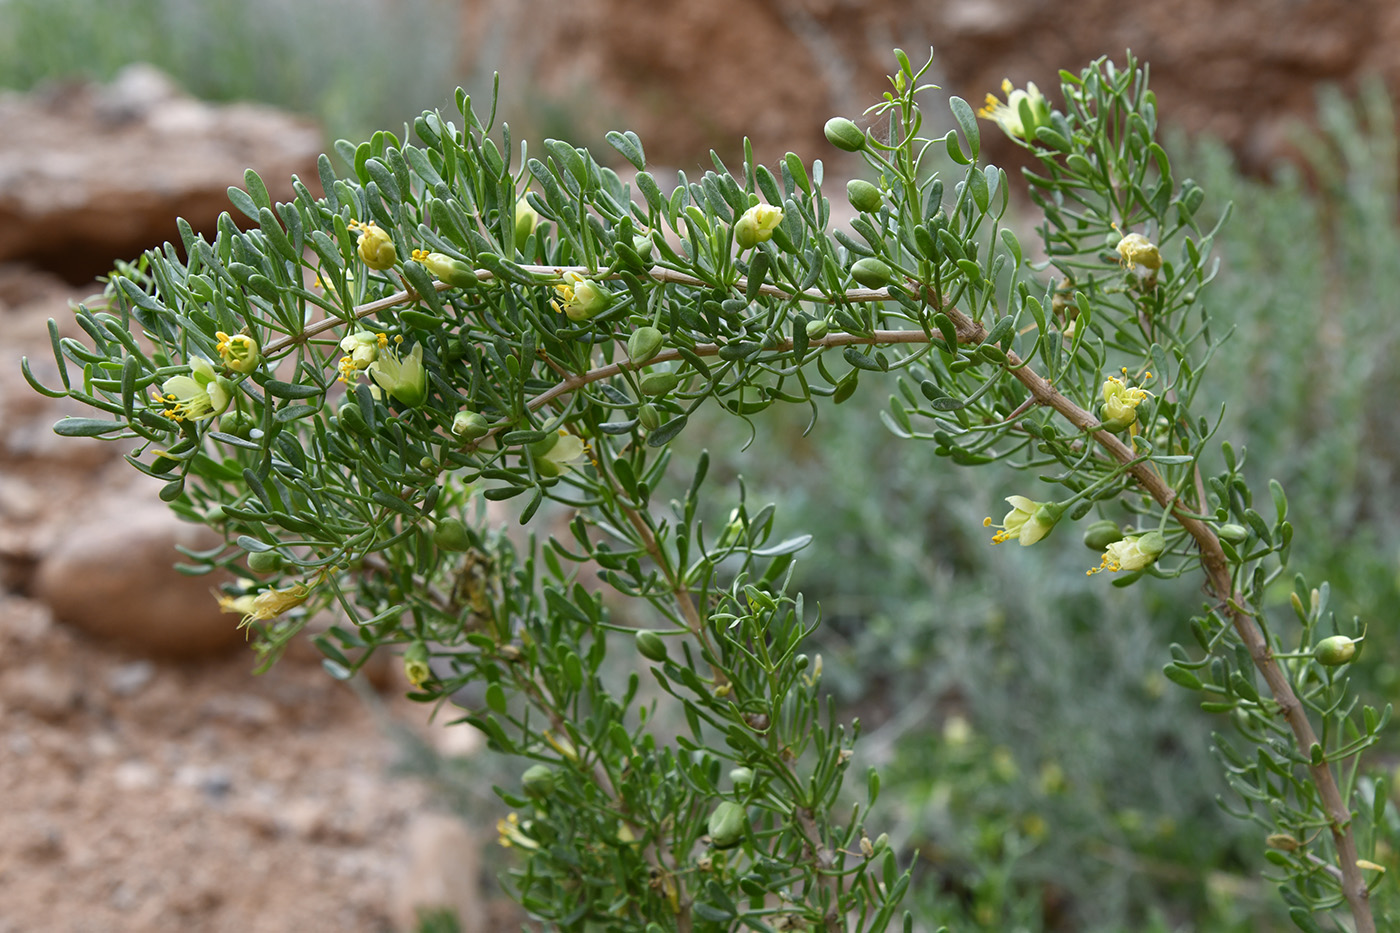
<point>110,574</point>
<point>441,868</point>
<point>43,690</point>
<point>91,173</point>
<point>689,77</point>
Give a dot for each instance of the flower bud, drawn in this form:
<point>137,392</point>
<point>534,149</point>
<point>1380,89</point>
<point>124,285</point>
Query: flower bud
<point>526,218</point>
<point>817,329</point>
<point>742,778</point>
<point>376,248</point>
<point>352,419</point>
<point>415,664</point>
<point>644,343</point>
<point>1335,651</point>
<point>470,425</point>
<point>1235,534</point>
<point>756,225</point>
<point>728,825</point>
<point>649,417</point>
<point>659,383</point>
<point>864,196</point>
<point>642,246</point>
<point>844,134</point>
<point>871,272</point>
<point>1101,534</point>
<point>539,780</point>
<point>237,423</point>
<point>451,535</point>
<point>650,645</point>
<point>452,271</point>
<point>1281,841</point>
<point>264,561</point>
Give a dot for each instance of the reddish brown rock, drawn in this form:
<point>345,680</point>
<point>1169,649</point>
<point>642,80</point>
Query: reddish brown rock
<point>110,574</point>
<point>89,174</point>
<point>689,77</point>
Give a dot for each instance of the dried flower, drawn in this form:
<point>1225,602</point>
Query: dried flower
<point>1138,250</point>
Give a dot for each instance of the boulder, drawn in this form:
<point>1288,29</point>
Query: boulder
<point>110,573</point>
<point>92,173</point>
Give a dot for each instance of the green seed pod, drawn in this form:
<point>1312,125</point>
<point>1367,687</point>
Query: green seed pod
<point>539,780</point>
<point>1335,651</point>
<point>1235,534</point>
<point>659,383</point>
<point>644,343</point>
<point>1101,534</point>
<point>649,416</point>
<point>650,645</point>
<point>451,535</point>
<point>237,423</point>
<point>264,561</point>
<point>817,329</point>
<point>470,425</point>
<point>871,272</point>
<point>728,825</point>
<point>844,134</point>
<point>742,778</point>
<point>864,196</point>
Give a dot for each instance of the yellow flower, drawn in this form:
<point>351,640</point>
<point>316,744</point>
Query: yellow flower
<point>1027,522</point>
<point>757,225</point>
<point>1138,250</point>
<point>583,298</point>
<point>1120,403</point>
<point>415,664</point>
<point>239,352</point>
<point>1009,115</point>
<point>1132,553</point>
<point>510,833</point>
<point>265,605</point>
<point>197,397</point>
<point>376,248</point>
<point>556,453</point>
<point>405,379</point>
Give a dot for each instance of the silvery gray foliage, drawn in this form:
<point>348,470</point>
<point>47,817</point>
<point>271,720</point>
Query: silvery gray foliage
<point>340,387</point>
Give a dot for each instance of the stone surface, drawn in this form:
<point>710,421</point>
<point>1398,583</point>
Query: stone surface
<point>90,173</point>
<point>440,868</point>
<point>688,77</point>
<point>109,573</point>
